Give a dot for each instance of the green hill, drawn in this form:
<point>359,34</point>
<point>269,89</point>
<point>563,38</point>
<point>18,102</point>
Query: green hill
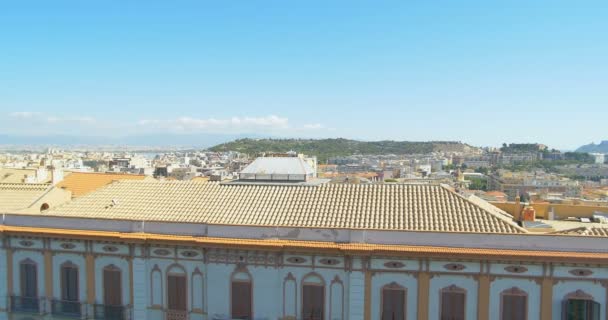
<point>327,148</point>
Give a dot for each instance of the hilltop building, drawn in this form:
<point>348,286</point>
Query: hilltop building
<point>290,169</point>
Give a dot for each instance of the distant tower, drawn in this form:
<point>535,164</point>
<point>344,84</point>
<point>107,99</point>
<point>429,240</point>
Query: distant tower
<point>460,175</point>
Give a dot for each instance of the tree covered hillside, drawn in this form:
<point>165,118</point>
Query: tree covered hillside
<point>327,148</point>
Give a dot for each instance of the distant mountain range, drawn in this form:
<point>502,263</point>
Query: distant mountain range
<point>602,147</point>
<point>327,148</point>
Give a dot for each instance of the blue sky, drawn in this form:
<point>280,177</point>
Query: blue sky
<point>484,72</point>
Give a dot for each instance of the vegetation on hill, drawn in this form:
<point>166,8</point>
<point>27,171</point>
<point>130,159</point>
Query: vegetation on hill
<point>478,183</point>
<point>327,148</point>
<point>520,147</point>
<point>552,166</point>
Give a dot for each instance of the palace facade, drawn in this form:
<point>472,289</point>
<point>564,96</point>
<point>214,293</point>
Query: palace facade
<point>183,250</point>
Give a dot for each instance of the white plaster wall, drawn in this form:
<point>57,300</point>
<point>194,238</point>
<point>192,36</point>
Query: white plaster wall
<point>563,288</point>
<point>408,281</point>
<point>78,260</point>
<point>529,286</point>
<point>439,282</point>
<point>38,258</point>
<point>102,262</point>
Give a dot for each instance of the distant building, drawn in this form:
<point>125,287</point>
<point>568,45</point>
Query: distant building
<point>278,169</point>
<point>473,164</point>
<point>600,158</point>
<point>553,156</point>
<point>511,158</point>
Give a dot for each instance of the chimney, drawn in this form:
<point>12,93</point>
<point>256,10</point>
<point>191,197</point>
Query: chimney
<point>57,175</point>
<point>529,214</point>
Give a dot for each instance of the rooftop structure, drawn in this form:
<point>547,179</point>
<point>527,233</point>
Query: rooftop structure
<point>80,183</point>
<point>30,197</point>
<point>276,169</point>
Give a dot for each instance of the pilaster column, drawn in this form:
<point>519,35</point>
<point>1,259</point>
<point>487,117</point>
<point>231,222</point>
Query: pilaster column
<point>424,281</point>
<point>546,299</point>
<point>483,297</point>
<point>368,295</point>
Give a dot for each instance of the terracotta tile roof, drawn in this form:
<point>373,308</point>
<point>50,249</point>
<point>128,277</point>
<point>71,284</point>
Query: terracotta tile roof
<point>81,183</point>
<point>585,231</point>
<point>16,196</point>
<point>14,175</point>
<point>315,246</point>
<point>382,207</point>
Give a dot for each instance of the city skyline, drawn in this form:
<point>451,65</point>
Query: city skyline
<point>476,72</point>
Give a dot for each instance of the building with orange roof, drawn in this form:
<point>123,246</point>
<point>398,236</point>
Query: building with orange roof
<point>180,250</point>
<point>82,183</point>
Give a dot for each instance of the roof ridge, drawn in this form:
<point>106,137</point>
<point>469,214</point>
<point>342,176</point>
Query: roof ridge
<point>476,201</point>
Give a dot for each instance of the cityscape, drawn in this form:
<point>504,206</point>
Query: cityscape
<point>264,160</point>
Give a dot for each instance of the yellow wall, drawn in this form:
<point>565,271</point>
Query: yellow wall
<point>543,209</point>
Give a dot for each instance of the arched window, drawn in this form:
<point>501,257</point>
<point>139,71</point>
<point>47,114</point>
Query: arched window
<point>112,292</point>
<point>177,293</point>
<point>453,303</point>
<point>197,290</point>
<point>29,285</point>
<point>290,294</point>
<point>241,295</point>
<point>313,297</point>
<point>69,282</point>
<point>513,304</point>
<point>393,302</point>
<point>69,289</point>
<point>580,305</point>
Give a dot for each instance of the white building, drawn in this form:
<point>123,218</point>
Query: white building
<point>600,158</point>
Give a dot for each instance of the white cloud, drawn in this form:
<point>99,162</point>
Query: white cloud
<point>313,126</point>
<point>238,124</point>
<point>52,119</point>
<point>25,114</point>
